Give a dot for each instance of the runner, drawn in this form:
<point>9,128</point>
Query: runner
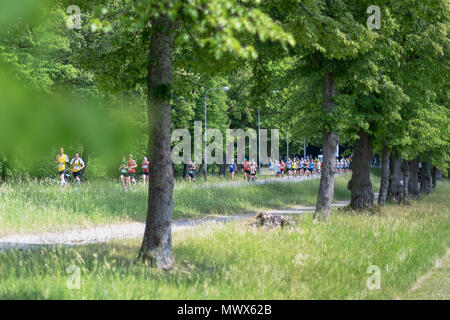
<point>191,171</point>
<point>246,165</point>
<point>305,168</point>
<point>294,168</point>
<point>311,168</point>
<point>278,169</point>
<point>288,167</point>
<point>123,173</point>
<point>76,167</point>
<point>299,167</point>
<point>131,164</point>
<point>282,167</point>
<point>232,169</point>
<point>271,168</point>
<point>61,160</point>
<point>253,167</point>
<point>144,167</point>
<point>318,165</point>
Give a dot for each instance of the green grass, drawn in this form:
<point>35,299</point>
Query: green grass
<point>313,261</point>
<point>43,206</point>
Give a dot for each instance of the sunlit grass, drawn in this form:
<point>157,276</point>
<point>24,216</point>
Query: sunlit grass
<point>313,261</point>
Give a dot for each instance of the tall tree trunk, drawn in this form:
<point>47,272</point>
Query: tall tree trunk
<point>184,170</point>
<point>425,179</point>
<point>330,141</point>
<point>413,185</point>
<point>406,177</point>
<point>156,249</point>
<point>223,166</point>
<point>395,177</point>
<point>200,170</point>
<point>360,184</point>
<point>435,174</point>
<point>382,195</point>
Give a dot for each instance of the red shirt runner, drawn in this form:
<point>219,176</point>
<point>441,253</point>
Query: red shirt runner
<point>145,165</point>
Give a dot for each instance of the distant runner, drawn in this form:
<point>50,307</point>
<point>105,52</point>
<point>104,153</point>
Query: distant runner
<point>232,169</point>
<point>76,167</point>
<point>191,171</point>
<point>131,164</point>
<point>246,165</point>
<point>61,160</point>
<point>123,173</point>
<point>144,167</point>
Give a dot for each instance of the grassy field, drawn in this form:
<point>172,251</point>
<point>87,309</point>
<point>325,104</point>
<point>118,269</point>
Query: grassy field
<point>312,261</point>
<point>43,206</point>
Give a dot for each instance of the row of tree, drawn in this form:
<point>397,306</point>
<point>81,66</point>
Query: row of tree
<point>314,69</point>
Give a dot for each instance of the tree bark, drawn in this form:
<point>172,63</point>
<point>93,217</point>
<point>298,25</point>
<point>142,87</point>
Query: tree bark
<point>413,185</point>
<point>394,193</point>
<point>425,179</point>
<point>200,170</point>
<point>360,184</point>
<point>406,177</point>
<point>184,170</point>
<point>435,176</point>
<point>156,249</point>
<point>382,195</point>
<point>330,140</point>
<point>223,166</point>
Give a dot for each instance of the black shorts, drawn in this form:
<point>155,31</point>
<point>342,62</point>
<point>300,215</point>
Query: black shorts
<point>191,174</point>
<point>253,173</point>
<point>145,173</point>
<point>62,172</point>
<point>247,171</point>
<point>125,174</point>
<point>76,174</point>
<point>131,174</point>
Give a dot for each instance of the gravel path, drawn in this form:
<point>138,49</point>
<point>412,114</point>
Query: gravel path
<point>127,230</point>
<point>111,232</point>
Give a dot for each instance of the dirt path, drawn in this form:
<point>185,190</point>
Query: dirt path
<point>108,233</point>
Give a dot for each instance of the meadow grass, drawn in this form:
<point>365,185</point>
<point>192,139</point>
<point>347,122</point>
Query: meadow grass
<point>32,207</point>
<point>326,260</point>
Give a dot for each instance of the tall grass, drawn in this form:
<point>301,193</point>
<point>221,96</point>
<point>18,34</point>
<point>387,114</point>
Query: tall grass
<point>313,261</point>
<point>42,206</point>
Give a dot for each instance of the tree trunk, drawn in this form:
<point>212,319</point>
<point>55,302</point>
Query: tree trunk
<point>395,177</point>
<point>413,185</point>
<point>184,171</point>
<point>156,249</point>
<point>406,177</point>
<point>200,170</point>
<point>425,179</point>
<point>360,184</point>
<point>382,195</point>
<point>435,176</point>
<point>223,166</point>
<point>330,141</point>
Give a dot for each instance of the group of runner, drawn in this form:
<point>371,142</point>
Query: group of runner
<point>296,167</point>
<point>76,167</point>
<point>128,172</point>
